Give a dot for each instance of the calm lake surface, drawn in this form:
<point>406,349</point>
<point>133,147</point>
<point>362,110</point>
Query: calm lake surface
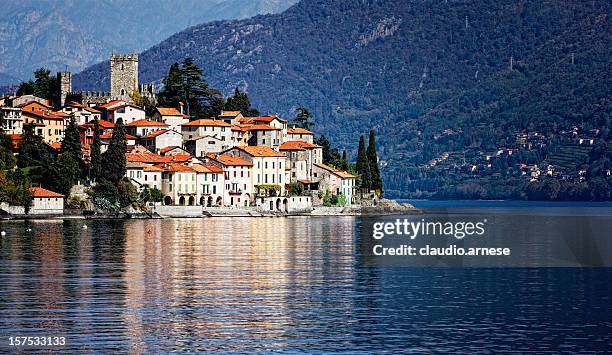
<point>286,285</point>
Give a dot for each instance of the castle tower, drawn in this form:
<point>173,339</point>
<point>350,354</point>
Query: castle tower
<point>123,75</point>
<point>65,81</point>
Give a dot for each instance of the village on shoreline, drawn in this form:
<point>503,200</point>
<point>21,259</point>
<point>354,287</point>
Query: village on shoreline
<point>135,153</point>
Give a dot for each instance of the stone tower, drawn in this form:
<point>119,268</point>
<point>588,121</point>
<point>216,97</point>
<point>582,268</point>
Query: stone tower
<point>65,82</point>
<point>123,75</point>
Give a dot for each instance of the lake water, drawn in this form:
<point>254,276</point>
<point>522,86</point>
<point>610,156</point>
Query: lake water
<point>285,285</point>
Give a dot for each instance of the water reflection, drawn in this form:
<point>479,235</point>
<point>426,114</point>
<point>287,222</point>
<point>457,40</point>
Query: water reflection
<point>283,284</point>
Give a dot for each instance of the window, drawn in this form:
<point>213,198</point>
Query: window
<point>214,189</point>
<point>263,141</point>
<point>272,165</point>
<point>234,173</point>
<point>280,178</point>
<point>242,174</point>
<point>205,177</point>
<point>266,178</point>
<point>258,178</point>
<point>265,165</point>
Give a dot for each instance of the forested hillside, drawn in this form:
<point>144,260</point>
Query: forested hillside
<point>432,77</point>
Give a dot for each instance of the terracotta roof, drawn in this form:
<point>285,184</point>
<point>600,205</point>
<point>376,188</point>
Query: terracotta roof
<point>156,133</point>
<point>33,102</point>
<point>167,149</point>
<point>341,173</point>
<point>177,158</point>
<point>145,157</point>
<point>229,160</point>
<point>266,119</point>
<point>46,115</point>
<point>110,103</point>
<point>229,113</point>
<point>122,106</point>
<point>261,151</point>
<point>146,123</point>
<point>109,136</point>
<point>207,168</point>
<point>91,109</point>
<point>102,123</point>
<point>239,128</point>
<point>206,122</point>
<point>261,127</point>
<point>176,167</point>
<point>169,111</point>
<point>75,104</point>
<point>297,145</point>
<point>40,192</point>
<point>298,130</point>
<point>152,168</point>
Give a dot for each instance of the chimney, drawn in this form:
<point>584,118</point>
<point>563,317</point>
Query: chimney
<point>181,107</point>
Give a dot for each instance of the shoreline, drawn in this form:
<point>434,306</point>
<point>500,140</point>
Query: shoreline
<point>354,211</point>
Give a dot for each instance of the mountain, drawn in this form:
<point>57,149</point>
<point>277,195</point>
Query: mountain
<point>73,34</point>
<point>412,70</point>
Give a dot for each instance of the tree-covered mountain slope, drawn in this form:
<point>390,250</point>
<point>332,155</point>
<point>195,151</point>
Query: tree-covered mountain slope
<point>410,69</point>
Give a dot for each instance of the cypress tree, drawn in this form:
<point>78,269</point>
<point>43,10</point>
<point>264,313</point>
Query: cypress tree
<point>377,183</point>
<point>173,91</point>
<point>363,166</point>
<point>96,159</point>
<point>113,160</point>
<point>303,118</point>
<point>241,102</point>
<point>72,140</point>
<point>31,150</point>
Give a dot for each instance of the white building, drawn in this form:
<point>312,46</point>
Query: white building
<point>46,202</point>
<point>144,127</point>
<point>210,184</point>
<point>299,134</point>
<point>141,174</point>
<point>207,127</point>
<point>238,189</point>
<point>128,113</point>
<point>338,182</point>
<point>178,184</point>
<point>201,146</point>
<point>12,122</point>
<point>81,113</point>
<point>170,116</point>
<point>158,140</point>
<point>268,166</point>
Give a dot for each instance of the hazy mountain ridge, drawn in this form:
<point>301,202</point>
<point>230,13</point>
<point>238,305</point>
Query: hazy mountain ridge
<point>74,34</point>
<point>408,69</point>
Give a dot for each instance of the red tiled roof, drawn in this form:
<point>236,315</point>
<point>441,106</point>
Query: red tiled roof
<point>109,136</point>
<point>298,130</point>
<point>122,106</point>
<point>46,115</point>
<point>102,123</point>
<point>176,167</point>
<point>266,119</point>
<point>297,145</point>
<point>341,173</point>
<point>229,113</point>
<point>32,102</point>
<point>146,123</point>
<point>156,133</point>
<point>110,103</point>
<point>144,157</point>
<point>206,122</point>
<point>167,149</point>
<point>261,127</point>
<point>169,111</point>
<point>261,151</point>
<point>229,160</point>
<point>40,192</point>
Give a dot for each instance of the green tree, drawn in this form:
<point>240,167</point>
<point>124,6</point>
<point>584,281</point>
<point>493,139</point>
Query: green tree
<point>72,140</point>
<point>296,189</point>
<point>61,174</point>
<point>15,189</point>
<point>172,93</point>
<point>376,182</point>
<point>241,102</point>
<point>363,165</point>
<point>303,118</point>
<point>113,160</point>
<point>7,159</point>
<point>195,88</point>
<point>95,154</point>
<point>31,149</point>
